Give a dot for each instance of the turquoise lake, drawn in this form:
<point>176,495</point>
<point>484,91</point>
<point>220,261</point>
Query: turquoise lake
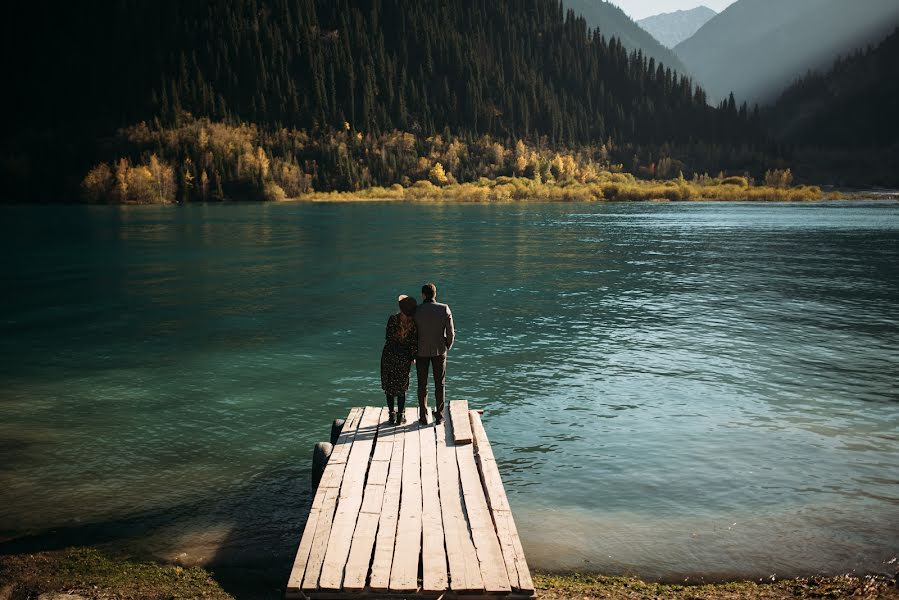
<point>672,390</point>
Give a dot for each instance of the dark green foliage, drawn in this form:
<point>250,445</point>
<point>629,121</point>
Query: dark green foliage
<point>505,68</point>
<point>852,104</point>
<point>845,119</point>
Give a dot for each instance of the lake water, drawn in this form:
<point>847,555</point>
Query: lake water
<point>672,390</point>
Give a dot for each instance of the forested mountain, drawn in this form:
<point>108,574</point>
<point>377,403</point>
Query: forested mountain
<point>508,69</point>
<point>755,48</point>
<point>852,104</point>
<point>845,118</point>
<point>611,21</point>
<point>672,28</point>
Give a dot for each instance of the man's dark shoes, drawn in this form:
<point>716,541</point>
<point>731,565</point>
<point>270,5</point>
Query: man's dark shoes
<point>401,419</point>
<point>438,418</point>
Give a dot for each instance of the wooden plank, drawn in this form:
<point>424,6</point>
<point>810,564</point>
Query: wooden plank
<point>369,594</point>
<point>301,561</point>
<point>350,500</point>
<point>357,565</point>
<point>483,533</point>
<point>347,435</point>
<point>507,533</point>
<point>407,548</point>
<point>387,521</point>
<point>320,540</point>
<point>461,428</point>
<point>513,553</point>
<point>493,484</point>
<point>464,569</point>
<point>433,554</point>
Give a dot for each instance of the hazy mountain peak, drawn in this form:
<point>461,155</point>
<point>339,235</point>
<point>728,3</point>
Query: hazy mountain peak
<point>674,27</point>
<point>612,21</point>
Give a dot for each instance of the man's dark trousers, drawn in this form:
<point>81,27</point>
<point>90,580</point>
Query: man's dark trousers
<point>421,367</point>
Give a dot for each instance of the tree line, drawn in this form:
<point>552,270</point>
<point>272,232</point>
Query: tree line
<point>463,70</point>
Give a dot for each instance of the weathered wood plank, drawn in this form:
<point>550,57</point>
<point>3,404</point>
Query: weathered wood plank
<point>464,569</point>
<point>333,474</point>
<point>483,533</point>
<point>369,594</point>
<point>433,554</point>
<point>404,569</point>
<point>513,553</point>
<point>507,533</point>
<point>358,562</point>
<point>493,484</point>
<point>335,471</point>
<point>349,501</point>
<point>320,540</point>
<point>387,521</point>
<point>347,435</point>
<point>461,427</point>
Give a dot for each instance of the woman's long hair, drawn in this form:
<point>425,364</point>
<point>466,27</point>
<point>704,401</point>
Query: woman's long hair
<point>405,326</point>
<point>407,310</point>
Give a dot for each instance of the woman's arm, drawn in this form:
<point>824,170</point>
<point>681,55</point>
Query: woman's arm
<point>391,328</point>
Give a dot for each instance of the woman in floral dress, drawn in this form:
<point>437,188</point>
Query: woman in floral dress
<point>400,348</point>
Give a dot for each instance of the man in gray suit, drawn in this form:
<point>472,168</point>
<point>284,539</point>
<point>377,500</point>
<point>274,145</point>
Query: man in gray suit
<point>435,338</point>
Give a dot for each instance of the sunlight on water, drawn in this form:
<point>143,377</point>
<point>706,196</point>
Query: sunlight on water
<point>670,389</point>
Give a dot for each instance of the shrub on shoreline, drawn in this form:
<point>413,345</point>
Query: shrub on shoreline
<point>605,187</point>
<point>196,159</point>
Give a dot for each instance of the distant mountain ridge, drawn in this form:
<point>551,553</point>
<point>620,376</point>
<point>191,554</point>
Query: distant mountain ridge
<point>612,21</point>
<point>674,27</point>
<point>755,48</point>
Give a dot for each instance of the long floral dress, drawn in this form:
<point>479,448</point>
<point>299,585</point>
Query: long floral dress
<point>397,356</point>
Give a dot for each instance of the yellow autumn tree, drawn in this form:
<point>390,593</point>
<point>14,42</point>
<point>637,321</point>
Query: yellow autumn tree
<point>97,184</point>
<point>437,175</point>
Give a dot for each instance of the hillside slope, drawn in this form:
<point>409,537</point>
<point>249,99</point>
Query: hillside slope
<point>755,48</point>
<point>852,104</point>
<point>612,21</point>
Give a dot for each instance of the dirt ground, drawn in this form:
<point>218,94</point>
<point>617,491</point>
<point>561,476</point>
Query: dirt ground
<point>79,573</point>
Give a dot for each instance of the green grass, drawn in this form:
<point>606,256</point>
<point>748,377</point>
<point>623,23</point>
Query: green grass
<point>91,573</point>
<point>576,585</point>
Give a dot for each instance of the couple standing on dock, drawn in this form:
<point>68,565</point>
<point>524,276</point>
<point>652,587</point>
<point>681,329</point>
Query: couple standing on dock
<point>419,333</point>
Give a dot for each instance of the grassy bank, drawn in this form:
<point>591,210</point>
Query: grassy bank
<point>613,187</point>
<point>91,574</point>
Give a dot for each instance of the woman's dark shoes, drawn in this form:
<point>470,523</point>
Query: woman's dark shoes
<point>391,418</point>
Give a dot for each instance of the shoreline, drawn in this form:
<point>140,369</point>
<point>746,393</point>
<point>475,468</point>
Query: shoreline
<point>89,573</point>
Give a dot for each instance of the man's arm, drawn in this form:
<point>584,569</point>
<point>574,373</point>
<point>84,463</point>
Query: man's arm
<point>450,333</point>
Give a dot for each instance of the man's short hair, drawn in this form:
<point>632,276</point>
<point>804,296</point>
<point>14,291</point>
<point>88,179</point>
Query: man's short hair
<point>429,290</point>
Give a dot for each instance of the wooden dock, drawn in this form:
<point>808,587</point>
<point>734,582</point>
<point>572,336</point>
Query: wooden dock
<point>410,511</point>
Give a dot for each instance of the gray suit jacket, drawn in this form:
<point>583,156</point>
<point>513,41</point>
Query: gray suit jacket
<point>435,328</point>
